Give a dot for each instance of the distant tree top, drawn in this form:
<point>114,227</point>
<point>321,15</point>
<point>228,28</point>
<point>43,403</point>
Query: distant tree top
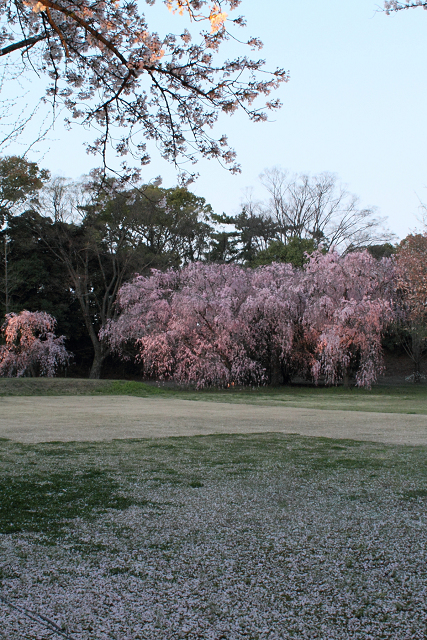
<point>19,181</point>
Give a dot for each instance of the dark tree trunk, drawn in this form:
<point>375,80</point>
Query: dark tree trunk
<point>101,351</point>
<point>346,379</point>
<point>275,369</point>
<point>416,355</point>
<point>96,368</point>
<point>100,355</point>
<point>286,372</point>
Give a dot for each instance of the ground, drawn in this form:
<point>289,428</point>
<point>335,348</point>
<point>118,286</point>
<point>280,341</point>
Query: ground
<point>259,534</point>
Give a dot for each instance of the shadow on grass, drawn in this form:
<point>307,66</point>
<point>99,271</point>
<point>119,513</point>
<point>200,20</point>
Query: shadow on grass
<point>42,502</point>
<point>44,486</point>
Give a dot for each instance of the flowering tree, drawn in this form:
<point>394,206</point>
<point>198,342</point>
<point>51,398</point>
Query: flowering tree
<point>395,5</point>
<point>412,289</point>
<point>31,346</point>
<point>224,324</point>
<point>275,311</point>
<point>349,306</point>
<point>189,325</point>
<point>110,70</point>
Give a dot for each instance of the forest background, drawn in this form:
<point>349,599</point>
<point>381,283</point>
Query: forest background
<point>112,265</point>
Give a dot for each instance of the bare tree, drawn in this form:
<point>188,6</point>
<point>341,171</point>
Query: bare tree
<point>96,251</point>
<point>318,208</point>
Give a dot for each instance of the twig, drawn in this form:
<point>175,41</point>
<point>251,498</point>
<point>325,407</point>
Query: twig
<point>38,618</point>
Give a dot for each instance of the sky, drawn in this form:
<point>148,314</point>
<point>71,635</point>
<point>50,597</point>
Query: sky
<point>354,106</point>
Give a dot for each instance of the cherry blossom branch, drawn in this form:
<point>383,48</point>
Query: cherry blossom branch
<point>97,53</point>
<point>394,5</point>
<point>26,43</point>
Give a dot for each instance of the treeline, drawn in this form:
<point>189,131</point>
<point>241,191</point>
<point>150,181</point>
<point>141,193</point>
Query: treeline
<point>68,248</point>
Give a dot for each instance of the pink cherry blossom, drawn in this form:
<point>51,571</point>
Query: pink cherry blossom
<point>31,346</point>
<point>223,324</point>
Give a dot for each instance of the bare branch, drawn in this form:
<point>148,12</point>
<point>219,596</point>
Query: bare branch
<point>317,208</point>
<point>23,44</point>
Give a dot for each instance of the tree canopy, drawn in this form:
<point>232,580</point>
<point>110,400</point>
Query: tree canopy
<point>219,325</point>
<point>111,71</point>
<point>31,348</point>
<point>411,284</point>
<point>318,208</point>
<point>20,180</point>
<point>68,249</point>
<point>100,239</point>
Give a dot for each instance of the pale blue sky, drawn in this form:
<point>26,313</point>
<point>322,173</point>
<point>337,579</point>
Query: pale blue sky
<point>354,106</point>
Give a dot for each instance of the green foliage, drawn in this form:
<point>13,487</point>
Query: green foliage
<point>379,251</point>
<point>19,181</point>
<point>162,227</point>
<point>254,240</point>
<point>294,252</point>
<point>255,231</point>
<point>224,243</point>
<point>36,277</point>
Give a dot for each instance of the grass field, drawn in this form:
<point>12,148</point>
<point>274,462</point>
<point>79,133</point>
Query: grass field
<point>217,537</point>
<point>407,398</point>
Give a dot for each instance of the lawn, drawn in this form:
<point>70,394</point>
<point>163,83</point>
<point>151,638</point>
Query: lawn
<point>214,537</point>
<point>407,398</point>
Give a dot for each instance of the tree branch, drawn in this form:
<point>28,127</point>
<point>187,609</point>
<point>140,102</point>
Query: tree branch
<point>22,44</point>
<point>46,622</point>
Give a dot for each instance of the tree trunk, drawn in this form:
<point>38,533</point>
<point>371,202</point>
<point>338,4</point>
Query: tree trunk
<point>275,369</point>
<point>6,278</point>
<point>99,348</point>
<point>286,373</point>
<point>98,361</point>
<point>346,379</point>
<point>101,351</point>
<point>416,355</point>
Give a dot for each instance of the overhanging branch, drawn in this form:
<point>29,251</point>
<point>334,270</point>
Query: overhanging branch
<point>22,44</point>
